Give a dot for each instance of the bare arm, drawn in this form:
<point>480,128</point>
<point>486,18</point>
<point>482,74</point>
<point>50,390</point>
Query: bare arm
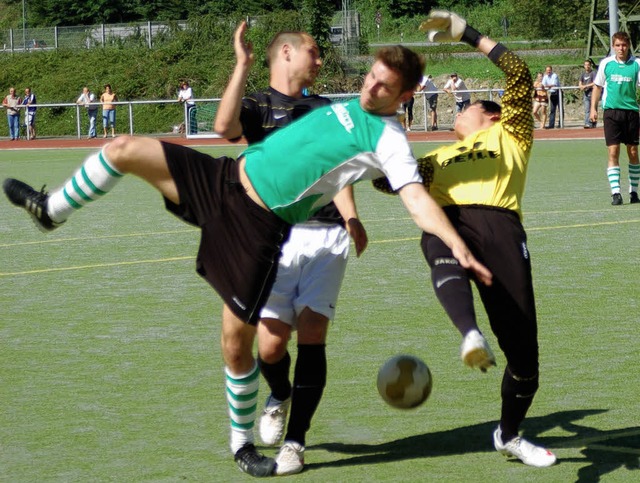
<point>346,205</point>
<point>430,218</point>
<point>227,122</point>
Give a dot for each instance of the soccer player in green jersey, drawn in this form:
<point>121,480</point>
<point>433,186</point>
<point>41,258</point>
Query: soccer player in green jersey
<point>617,83</point>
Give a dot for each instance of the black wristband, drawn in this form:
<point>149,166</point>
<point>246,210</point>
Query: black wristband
<point>471,36</point>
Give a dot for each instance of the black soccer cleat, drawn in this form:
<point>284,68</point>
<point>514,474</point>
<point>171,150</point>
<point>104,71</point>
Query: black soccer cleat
<point>633,197</point>
<point>254,463</point>
<point>35,202</point>
<point>616,199</point>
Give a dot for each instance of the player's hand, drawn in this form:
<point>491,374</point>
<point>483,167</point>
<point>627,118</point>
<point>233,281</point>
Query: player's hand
<point>243,49</point>
<point>443,26</point>
<point>358,234</point>
<point>468,261</point>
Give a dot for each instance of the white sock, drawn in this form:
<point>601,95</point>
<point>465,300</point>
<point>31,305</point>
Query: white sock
<point>242,398</point>
<point>634,177</point>
<point>95,178</point>
<point>613,174</point>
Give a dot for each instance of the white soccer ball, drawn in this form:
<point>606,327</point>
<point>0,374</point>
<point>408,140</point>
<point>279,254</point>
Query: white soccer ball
<point>404,381</point>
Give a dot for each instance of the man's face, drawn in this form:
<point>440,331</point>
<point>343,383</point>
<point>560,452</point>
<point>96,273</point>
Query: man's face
<point>587,66</point>
<point>548,71</point>
<point>472,119</point>
<point>12,91</point>
<point>306,62</point>
<point>381,93</point>
<point>621,48</point>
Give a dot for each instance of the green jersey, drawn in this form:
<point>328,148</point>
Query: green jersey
<point>302,166</point>
<point>619,81</point>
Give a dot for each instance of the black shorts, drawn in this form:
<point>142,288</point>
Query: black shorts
<point>240,241</point>
<point>621,127</point>
<point>433,102</point>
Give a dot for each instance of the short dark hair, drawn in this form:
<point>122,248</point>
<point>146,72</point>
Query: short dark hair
<point>490,107</point>
<point>622,36</point>
<point>409,64</point>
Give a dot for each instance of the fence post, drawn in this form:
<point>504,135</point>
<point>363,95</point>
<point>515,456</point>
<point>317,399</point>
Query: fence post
<point>55,37</point>
<point>149,33</point>
<point>130,118</point>
<point>78,121</point>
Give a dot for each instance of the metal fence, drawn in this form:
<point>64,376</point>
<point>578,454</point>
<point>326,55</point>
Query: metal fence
<point>165,117</point>
<point>86,36</point>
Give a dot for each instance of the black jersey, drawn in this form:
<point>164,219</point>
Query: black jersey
<point>264,112</point>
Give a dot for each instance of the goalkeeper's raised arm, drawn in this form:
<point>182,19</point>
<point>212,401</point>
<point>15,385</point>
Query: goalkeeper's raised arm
<point>516,110</point>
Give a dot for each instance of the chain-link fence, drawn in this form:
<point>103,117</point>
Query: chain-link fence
<point>146,33</point>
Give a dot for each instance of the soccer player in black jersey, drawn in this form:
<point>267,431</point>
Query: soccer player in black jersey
<point>313,262</point>
<point>479,182</point>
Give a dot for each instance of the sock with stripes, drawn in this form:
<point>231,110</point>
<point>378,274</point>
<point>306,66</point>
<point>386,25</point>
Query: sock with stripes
<point>634,177</point>
<point>614,179</point>
<point>95,178</point>
<point>242,399</point>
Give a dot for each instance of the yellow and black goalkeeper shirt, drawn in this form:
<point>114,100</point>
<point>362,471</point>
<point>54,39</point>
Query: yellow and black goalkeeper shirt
<point>488,167</point>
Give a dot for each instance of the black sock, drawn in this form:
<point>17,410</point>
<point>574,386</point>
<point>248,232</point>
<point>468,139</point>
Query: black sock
<point>277,376</point>
<point>453,289</point>
<point>517,396</point>
<point>308,384</point>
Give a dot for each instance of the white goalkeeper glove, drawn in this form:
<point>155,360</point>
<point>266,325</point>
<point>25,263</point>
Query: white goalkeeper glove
<point>444,26</point>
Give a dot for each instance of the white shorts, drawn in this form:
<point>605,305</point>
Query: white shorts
<point>310,272</point>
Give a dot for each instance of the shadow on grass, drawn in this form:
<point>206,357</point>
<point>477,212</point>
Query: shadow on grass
<point>604,451</point>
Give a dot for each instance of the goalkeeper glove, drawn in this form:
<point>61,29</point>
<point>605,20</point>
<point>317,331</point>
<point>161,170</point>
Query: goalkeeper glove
<point>444,26</point>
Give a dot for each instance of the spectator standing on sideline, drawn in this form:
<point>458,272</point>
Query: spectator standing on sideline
<point>431,98</point>
<point>618,78</point>
<point>11,103</point>
<point>458,89</point>
<point>88,100</point>
<point>540,101</point>
<point>313,261</point>
<point>407,107</point>
<point>479,181</point>
<point>245,208</point>
<point>29,102</point>
<point>185,96</point>
<point>551,82</point>
<point>107,99</point>
<point>585,83</point>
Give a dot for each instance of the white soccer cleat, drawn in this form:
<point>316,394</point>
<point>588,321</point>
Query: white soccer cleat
<point>528,453</point>
<point>273,420</point>
<point>475,351</point>
<point>290,459</point>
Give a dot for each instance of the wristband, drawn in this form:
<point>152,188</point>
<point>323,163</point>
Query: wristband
<point>471,36</point>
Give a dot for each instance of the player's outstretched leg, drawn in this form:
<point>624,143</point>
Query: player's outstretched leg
<point>91,181</point>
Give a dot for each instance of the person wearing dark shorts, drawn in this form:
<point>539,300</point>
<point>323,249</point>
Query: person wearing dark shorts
<point>366,143</point>
<point>479,181</point>
<point>619,74</point>
<point>242,273</point>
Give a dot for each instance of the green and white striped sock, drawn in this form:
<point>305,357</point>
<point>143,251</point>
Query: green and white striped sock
<point>634,177</point>
<point>95,178</point>
<point>614,179</point>
<point>242,398</point>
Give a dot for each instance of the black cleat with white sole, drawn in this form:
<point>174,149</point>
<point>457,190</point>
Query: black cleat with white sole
<point>254,463</point>
<point>35,202</point>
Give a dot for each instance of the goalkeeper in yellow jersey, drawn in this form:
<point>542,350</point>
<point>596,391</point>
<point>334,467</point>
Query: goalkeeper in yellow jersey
<point>479,182</point>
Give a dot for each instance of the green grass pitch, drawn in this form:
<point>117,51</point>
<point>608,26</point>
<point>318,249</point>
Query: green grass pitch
<point>110,366</point>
